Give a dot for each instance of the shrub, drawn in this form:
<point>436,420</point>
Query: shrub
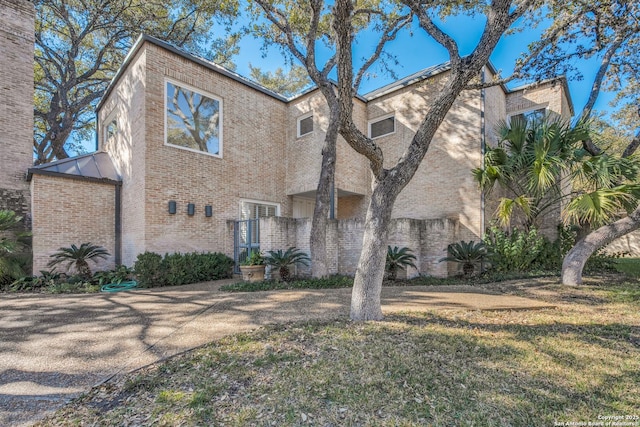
<point>78,256</point>
<point>398,259</point>
<point>148,269</point>
<point>14,248</point>
<point>282,260</point>
<point>175,269</point>
<point>120,274</point>
<point>522,251</point>
<point>468,254</point>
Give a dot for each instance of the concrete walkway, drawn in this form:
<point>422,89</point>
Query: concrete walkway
<point>53,347</point>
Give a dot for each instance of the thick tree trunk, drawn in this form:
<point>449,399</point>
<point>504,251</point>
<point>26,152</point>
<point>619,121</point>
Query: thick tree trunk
<point>318,238</point>
<point>577,257</point>
<point>367,285</point>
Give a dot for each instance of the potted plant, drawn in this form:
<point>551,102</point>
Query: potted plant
<point>468,254</point>
<point>398,259</point>
<point>280,261</point>
<point>253,267</point>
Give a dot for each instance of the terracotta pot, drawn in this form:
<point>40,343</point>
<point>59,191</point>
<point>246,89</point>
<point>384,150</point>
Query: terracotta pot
<point>252,273</point>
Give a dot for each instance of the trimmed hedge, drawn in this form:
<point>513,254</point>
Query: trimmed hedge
<point>153,270</point>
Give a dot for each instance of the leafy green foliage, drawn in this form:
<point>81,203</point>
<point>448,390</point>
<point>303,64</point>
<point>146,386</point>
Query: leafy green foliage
<point>77,256</point>
<point>522,251</point>
<point>120,274</point>
<point>332,282</point>
<point>81,44</point>
<point>255,258</point>
<point>398,259</point>
<point>175,269</point>
<point>287,83</point>
<point>282,260</point>
<point>13,245</point>
<point>468,254</point>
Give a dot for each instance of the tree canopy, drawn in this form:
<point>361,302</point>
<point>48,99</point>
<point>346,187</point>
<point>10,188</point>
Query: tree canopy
<point>81,44</point>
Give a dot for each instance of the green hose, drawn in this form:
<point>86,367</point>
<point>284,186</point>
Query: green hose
<point>116,287</point>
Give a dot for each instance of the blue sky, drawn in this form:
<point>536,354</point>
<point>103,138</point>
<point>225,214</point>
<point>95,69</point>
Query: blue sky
<point>418,51</point>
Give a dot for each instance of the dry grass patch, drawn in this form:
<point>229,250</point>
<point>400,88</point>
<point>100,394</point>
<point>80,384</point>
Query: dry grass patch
<point>526,368</point>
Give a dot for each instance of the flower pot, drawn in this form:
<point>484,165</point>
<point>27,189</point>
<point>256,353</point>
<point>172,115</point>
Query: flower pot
<point>252,273</point>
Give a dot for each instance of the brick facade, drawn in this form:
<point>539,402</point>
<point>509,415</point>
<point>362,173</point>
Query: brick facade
<point>71,211</point>
<point>428,239</point>
<point>16,107</point>
<point>263,160</point>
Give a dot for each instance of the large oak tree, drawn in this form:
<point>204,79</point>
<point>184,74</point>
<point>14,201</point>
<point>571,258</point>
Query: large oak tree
<point>81,43</point>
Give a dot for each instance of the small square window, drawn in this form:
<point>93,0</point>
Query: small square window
<point>305,125</point>
<point>382,127</point>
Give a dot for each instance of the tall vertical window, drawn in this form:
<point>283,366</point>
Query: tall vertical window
<point>383,126</point>
<point>305,125</point>
<point>193,121</point>
<point>111,130</point>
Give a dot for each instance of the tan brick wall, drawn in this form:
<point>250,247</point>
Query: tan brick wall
<point>428,239</point>
<point>70,211</point>
<point>304,154</point>
<point>126,103</point>
<point>443,186</point>
<point>251,167</point>
<point>16,105</point>
<point>548,95</point>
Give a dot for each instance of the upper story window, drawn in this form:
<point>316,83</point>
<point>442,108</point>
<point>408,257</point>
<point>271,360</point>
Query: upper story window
<point>193,120</point>
<point>382,126</point>
<point>111,130</point>
<point>305,125</point>
<point>528,116</point>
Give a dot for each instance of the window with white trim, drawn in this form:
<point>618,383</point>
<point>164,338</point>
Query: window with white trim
<point>193,120</point>
<point>528,116</point>
<point>305,125</point>
<point>382,126</point>
<point>253,209</point>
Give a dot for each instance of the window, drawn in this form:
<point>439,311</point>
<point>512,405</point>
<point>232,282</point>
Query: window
<point>111,130</point>
<point>193,121</point>
<point>305,125</point>
<point>254,210</point>
<point>382,127</point>
<point>529,116</point>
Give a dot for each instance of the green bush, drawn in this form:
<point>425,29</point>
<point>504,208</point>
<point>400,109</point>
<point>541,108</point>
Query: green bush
<point>148,269</point>
<point>522,251</point>
<point>175,269</point>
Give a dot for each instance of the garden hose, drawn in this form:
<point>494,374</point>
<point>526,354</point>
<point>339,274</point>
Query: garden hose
<point>116,287</point>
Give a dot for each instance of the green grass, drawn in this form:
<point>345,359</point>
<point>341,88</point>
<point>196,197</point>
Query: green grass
<point>628,266</point>
<point>444,368</point>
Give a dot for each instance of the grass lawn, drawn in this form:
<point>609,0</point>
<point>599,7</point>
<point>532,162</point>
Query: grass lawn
<point>629,266</point>
<point>571,364</point>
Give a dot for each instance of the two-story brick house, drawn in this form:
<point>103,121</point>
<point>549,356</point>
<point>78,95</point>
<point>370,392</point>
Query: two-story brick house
<point>186,147</point>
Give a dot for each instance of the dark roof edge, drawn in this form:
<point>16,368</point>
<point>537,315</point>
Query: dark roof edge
<point>207,64</point>
<point>38,171</point>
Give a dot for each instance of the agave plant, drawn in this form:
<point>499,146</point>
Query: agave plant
<point>282,260</point>
<point>398,259</point>
<point>78,257</point>
<point>466,253</point>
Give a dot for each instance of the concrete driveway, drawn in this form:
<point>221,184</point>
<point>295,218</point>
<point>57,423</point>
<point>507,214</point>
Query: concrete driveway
<point>53,347</point>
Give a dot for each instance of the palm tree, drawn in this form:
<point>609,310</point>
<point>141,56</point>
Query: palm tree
<point>398,259</point>
<point>468,254</point>
<point>529,163</point>
<point>282,260</point>
<point>542,162</point>
<point>12,242</point>
<point>78,257</point>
